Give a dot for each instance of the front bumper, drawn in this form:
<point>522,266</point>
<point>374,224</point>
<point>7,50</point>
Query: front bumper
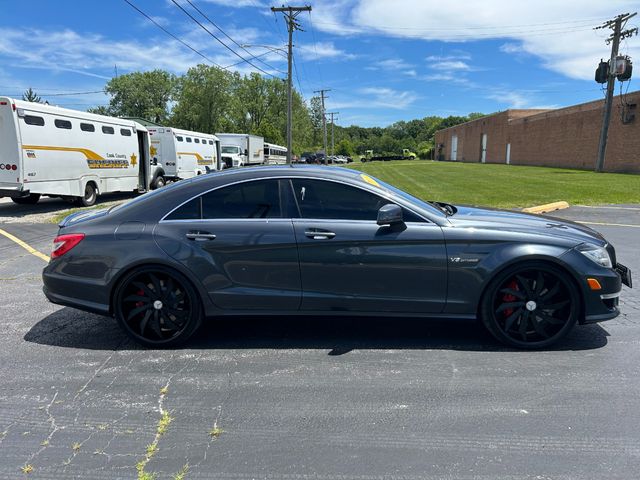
<point>601,305</point>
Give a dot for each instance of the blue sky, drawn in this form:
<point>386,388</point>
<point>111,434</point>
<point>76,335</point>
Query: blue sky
<point>384,60</point>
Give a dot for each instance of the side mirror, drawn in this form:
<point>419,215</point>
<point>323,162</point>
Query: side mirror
<point>390,214</point>
<point>246,152</point>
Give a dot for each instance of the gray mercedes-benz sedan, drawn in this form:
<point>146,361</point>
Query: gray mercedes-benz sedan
<point>327,241</point>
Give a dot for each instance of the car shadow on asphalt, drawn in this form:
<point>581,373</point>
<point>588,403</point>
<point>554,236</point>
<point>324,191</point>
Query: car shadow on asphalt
<point>71,328</point>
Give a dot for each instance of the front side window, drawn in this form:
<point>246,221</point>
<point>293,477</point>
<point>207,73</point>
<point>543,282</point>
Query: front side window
<point>331,200</point>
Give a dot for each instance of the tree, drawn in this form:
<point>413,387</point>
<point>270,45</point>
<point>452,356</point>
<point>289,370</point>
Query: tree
<point>204,100</point>
<point>344,147</point>
<point>30,96</point>
<point>140,94</point>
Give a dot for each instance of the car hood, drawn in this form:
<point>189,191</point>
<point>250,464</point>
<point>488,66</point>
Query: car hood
<point>511,221</point>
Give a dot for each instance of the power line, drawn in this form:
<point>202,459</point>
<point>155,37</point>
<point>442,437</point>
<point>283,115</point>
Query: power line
<point>218,40</point>
<point>171,34</point>
<point>225,34</point>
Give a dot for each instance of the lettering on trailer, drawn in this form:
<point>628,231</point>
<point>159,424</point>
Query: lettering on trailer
<point>94,161</point>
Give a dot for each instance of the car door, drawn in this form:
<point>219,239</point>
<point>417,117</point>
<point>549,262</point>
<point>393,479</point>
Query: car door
<point>350,263</point>
<point>239,242</point>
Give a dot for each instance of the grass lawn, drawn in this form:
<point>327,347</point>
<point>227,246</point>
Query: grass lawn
<point>504,185</point>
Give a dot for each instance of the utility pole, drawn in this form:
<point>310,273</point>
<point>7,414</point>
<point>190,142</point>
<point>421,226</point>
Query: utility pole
<point>333,150</point>
<point>290,13</point>
<point>324,119</point>
<point>617,24</point>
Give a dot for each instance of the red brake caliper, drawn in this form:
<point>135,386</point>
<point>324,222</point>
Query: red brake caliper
<point>141,293</point>
<point>508,298</point>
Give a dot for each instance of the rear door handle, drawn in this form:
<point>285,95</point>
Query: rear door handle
<point>200,236</point>
<point>318,234</point>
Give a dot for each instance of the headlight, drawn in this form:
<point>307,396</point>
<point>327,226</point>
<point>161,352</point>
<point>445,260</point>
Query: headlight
<point>596,254</point>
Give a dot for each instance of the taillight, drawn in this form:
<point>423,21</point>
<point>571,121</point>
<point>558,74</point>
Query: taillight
<point>63,243</point>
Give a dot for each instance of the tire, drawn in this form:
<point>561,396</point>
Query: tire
<point>90,196</point>
<point>530,305</point>
<point>30,199</point>
<point>157,307</point>
<point>159,182</point>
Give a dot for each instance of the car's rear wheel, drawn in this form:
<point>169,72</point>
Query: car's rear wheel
<point>531,305</point>
<point>157,307</point>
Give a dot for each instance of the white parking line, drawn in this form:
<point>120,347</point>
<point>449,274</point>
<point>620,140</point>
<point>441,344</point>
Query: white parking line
<point>604,206</point>
<point>608,224</point>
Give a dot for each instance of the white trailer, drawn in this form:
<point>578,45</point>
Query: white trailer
<point>274,154</point>
<point>240,149</point>
<point>179,154</point>
<point>46,150</point>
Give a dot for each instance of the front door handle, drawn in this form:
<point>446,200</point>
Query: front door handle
<point>200,236</point>
<point>318,234</point>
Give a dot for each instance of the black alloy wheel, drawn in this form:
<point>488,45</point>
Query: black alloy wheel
<point>157,307</point>
<point>531,306</point>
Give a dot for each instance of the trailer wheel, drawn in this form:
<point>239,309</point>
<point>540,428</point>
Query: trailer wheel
<point>90,196</point>
<point>30,199</point>
<point>159,182</point>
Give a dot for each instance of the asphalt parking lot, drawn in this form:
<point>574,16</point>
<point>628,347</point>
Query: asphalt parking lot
<point>300,398</point>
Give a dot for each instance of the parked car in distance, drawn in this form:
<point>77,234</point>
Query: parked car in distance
<point>311,240</point>
<point>308,157</point>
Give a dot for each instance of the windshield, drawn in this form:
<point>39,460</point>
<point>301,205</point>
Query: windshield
<point>228,149</point>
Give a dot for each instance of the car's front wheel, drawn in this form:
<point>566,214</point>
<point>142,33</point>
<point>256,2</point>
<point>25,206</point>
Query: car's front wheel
<point>157,307</point>
<point>531,305</point>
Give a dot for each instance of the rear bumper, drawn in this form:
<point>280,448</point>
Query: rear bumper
<point>85,305</point>
<point>13,192</point>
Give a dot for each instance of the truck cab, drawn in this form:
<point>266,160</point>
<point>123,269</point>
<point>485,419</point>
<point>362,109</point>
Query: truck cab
<point>233,156</point>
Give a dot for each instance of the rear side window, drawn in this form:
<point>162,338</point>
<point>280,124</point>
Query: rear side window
<point>33,120</point>
<point>87,127</point>
<point>65,124</point>
<point>125,132</point>
<point>179,139</point>
<point>107,130</point>
<point>188,139</point>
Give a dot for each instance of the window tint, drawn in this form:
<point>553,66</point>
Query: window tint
<point>197,140</point>
<point>87,127</point>
<point>125,132</point>
<point>107,130</point>
<point>188,211</point>
<point>259,199</point>
<point>188,139</point>
<point>66,124</point>
<point>323,199</point>
<point>179,139</point>
<point>33,120</point>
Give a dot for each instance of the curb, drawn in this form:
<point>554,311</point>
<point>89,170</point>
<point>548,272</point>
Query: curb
<point>547,207</point>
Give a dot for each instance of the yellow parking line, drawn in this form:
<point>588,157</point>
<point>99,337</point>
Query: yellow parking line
<point>610,224</point>
<point>26,246</point>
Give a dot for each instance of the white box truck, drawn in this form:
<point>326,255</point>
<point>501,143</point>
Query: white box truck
<point>57,152</point>
<point>241,149</point>
<point>179,154</point>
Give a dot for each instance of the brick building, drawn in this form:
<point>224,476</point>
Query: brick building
<point>565,137</point>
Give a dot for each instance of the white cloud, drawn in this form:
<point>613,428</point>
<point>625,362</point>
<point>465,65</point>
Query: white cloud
<point>395,65</point>
<point>238,3</point>
<point>559,33</point>
<point>389,98</point>
<point>450,65</point>
<point>320,50</point>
